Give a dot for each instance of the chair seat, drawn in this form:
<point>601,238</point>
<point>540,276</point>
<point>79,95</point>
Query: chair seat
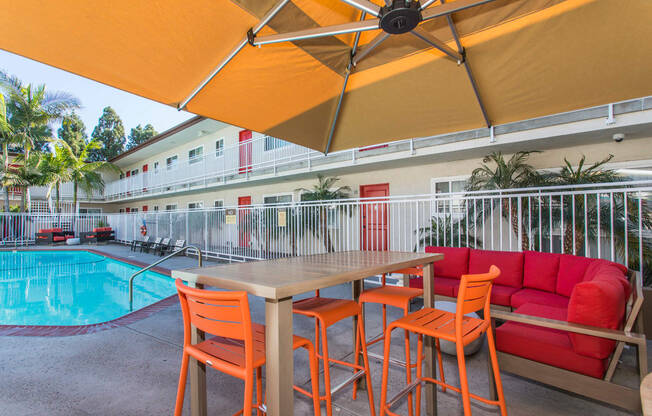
<point>538,297</point>
<point>391,295</point>
<point>440,324</point>
<point>228,354</point>
<point>328,310</point>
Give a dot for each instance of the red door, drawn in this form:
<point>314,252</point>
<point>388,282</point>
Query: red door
<point>374,217</point>
<point>245,151</point>
<point>244,221</point>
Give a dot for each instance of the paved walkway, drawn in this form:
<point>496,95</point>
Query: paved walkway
<point>133,370</point>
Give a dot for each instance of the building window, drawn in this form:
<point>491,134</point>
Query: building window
<point>121,210</point>
<point>196,205</point>
<point>195,155</point>
<point>219,203</point>
<point>122,176</point>
<point>172,162</point>
<point>155,167</point>
<point>155,207</point>
<point>277,199</point>
<point>134,210</point>
<point>272,143</point>
<point>90,211</point>
<point>171,207</point>
<point>219,147</point>
<point>134,172</point>
<point>446,185</point>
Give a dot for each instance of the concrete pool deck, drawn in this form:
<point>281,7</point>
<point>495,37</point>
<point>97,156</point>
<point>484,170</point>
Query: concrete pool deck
<point>133,369</point>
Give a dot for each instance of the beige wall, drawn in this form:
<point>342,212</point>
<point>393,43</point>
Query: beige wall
<point>407,176</point>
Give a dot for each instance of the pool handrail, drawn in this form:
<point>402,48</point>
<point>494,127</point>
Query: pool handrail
<point>144,269</point>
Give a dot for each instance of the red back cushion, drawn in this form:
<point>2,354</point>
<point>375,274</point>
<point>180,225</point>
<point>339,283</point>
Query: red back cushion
<point>510,264</point>
<point>600,302</point>
<point>571,272</point>
<point>598,264</point>
<point>455,262</point>
<point>56,230</point>
<point>44,230</point>
<point>540,270</point>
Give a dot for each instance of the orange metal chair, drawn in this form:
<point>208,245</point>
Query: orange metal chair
<point>239,347</point>
<point>474,294</point>
<point>399,297</point>
<point>328,311</point>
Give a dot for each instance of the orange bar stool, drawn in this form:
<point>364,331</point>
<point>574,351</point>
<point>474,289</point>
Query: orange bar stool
<point>399,297</point>
<point>238,349</point>
<point>328,311</point>
<point>474,294</point>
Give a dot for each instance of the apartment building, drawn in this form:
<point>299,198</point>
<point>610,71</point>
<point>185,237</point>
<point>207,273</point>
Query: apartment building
<point>203,163</point>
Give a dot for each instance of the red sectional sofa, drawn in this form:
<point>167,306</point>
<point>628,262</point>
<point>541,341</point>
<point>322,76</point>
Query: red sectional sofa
<point>560,287</point>
<point>52,235</point>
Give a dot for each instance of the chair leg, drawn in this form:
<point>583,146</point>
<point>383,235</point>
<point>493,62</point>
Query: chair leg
<point>314,379</point>
<point>248,392</point>
<point>259,391</point>
<point>181,389</point>
<point>365,359</point>
<point>464,382</point>
<point>356,359</point>
<point>441,364</point>
<point>383,387</point>
<point>327,372</point>
<point>408,370</point>
<point>419,370</point>
<point>497,380</point>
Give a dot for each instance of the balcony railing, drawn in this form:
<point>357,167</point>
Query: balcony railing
<point>610,221</point>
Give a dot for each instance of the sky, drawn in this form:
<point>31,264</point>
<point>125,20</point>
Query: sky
<point>133,110</point>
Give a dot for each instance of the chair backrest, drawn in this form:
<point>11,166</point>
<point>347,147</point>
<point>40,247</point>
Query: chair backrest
<point>146,239</point>
<point>166,242</point>
<point>157,240</point>
<point>180,243</point>
<point>224,314</point>
<point>475,292</point>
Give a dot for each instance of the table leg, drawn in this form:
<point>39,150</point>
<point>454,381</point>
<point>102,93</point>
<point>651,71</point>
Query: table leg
<point>197,374</point>
<point>280,358</point>
<point>429,364</point>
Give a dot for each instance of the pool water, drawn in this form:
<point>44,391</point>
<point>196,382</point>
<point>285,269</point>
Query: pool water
<point>72,288</point>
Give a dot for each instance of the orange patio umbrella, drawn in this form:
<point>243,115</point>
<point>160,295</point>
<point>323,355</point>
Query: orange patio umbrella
<point>336,74</point>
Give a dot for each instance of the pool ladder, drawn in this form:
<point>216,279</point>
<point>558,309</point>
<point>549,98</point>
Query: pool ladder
<point>156,263</point>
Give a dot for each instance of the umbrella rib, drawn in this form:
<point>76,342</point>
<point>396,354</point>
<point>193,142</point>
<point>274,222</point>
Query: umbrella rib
<point>346,81</point>
<point>364,5</point>
<point>318,32</point>
<point>437,44</point>
<point>270,14</point>
<point>448,8</point>
<point>469,73</point>
<point>370,46</point>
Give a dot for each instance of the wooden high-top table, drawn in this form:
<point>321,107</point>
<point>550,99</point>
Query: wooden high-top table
<point>277,281</point>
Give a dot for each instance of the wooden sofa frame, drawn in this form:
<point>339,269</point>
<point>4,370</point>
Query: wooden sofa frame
<point>604,389</point>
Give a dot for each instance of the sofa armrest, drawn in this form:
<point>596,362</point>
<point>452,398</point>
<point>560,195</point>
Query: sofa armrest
<point>613,334</point>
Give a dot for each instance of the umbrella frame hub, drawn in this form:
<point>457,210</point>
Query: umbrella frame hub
<point>401,16</point>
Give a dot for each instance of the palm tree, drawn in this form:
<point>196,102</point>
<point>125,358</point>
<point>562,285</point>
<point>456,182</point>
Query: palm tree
<point>5,139</point>
<point>568,175</point>
<point>55,173</point>
<point>497,173</point>
<point>31,110</point>
<point>316,218</point>
<point>83,174</point>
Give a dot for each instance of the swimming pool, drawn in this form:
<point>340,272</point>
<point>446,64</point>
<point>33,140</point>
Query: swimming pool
<point>72,288</point>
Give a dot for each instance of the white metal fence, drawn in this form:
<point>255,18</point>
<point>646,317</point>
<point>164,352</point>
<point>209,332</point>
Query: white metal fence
<point>611,221</point>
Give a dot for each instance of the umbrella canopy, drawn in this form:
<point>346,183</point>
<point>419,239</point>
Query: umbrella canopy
<point>336,74</point>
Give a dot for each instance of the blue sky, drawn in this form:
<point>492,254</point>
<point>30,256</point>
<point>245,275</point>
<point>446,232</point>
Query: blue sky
<point>94,96</point>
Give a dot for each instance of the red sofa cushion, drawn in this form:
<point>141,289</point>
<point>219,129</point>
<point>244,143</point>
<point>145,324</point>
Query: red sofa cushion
<point>56,230</point>
<point>45,230</point>
<point>540,270</point>
<point>444,286</point>
<point>58,238</point>
<point>571,272</point>
<point>538,297</point>
<point>599,302</point>
<point>455,262</point>
<point>500,294</point>
<point>510,264</point>
<point>547,346</point>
